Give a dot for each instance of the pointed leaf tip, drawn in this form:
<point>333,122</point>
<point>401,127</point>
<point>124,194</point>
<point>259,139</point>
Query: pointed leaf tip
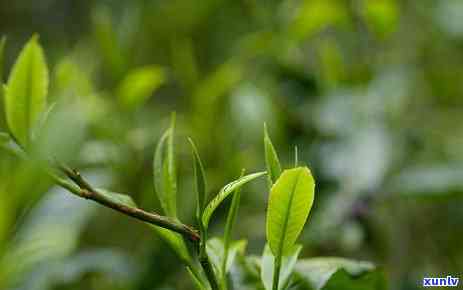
<point>27,89</point>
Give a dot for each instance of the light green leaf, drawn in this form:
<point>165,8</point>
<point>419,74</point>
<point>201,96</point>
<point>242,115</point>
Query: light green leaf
<point>139,84</point>
<point>27,87</point>
<point>271,159</point>
<point>338,273</point>
<point>215,251</point>
<point>175,242</point>
<point>290,201</point>
<point>200,181</point>
<point>164,172</point>
<point>2,60</point>
<point>224,192</point>
<point>118,197</point>
<point>287,266</point>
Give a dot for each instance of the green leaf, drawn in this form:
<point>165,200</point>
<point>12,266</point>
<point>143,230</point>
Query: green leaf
<point>215,251</point>
<point>27,87</point>
<point>290,201</point>
<point>224,192</point>
<point>2,59</point>
<point>175,242</point>
<point>287,266</point>
<point>196,280</point>
<point>330,273</point>
<point>4,138</point>
<point>118,197</point>
<point>164,170</point>
<point>231,218</point>
<point>138,85</point>
<point>271,159</point>
<point>200,181</point>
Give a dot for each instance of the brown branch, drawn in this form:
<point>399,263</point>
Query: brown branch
<point>85,190</point>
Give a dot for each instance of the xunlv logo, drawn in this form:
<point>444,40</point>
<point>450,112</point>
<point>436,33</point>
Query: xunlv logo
<point>440,282</point>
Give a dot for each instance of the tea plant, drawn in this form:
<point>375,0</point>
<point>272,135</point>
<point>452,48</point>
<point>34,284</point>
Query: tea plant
<point>212,262</point>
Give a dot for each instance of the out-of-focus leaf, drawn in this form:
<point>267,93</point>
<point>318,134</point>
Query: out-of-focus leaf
<point>338,273</point>
<point>428,180</point>
<point>224,192</point>
<point>165,183</point>
<point>118,197</point>
<point>2,60</point>
<point>200,181</point>
<point>108,41</point>
<point>381,16</point>
<point>290,201</point>
<point>4,138</point>
<point>50,232</point>
<point>315,15</point>
<point>287,266</point>
<point>111,265</point>
<point>60,132</point>
<point>139,84</point>
<point>26,93</point>
<point>176,242</point>
<point>215,251</point>
<point>70,78</point>
<point>271,159</point>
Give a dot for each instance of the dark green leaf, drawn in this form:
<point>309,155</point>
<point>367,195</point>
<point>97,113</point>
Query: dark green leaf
<point>2,59</point>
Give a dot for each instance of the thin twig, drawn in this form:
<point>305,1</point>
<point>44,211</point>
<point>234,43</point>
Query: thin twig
<point>85,190</point>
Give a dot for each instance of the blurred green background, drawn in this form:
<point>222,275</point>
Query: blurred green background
<point>370,92</point>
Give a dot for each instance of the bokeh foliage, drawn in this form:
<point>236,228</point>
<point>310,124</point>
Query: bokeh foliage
<point>370,91</point>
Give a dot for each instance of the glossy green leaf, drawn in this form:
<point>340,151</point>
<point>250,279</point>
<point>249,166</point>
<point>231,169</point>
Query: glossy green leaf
<point>287,266</point>
<point>2,59</point>
<point>164,172</point>
<point>26,93</point>
<point>224,192</point>
<point>139,84</point>
<point>200,180</point>
<point>290,201</point>
<point>329,273</point>
<point>271,159</point>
